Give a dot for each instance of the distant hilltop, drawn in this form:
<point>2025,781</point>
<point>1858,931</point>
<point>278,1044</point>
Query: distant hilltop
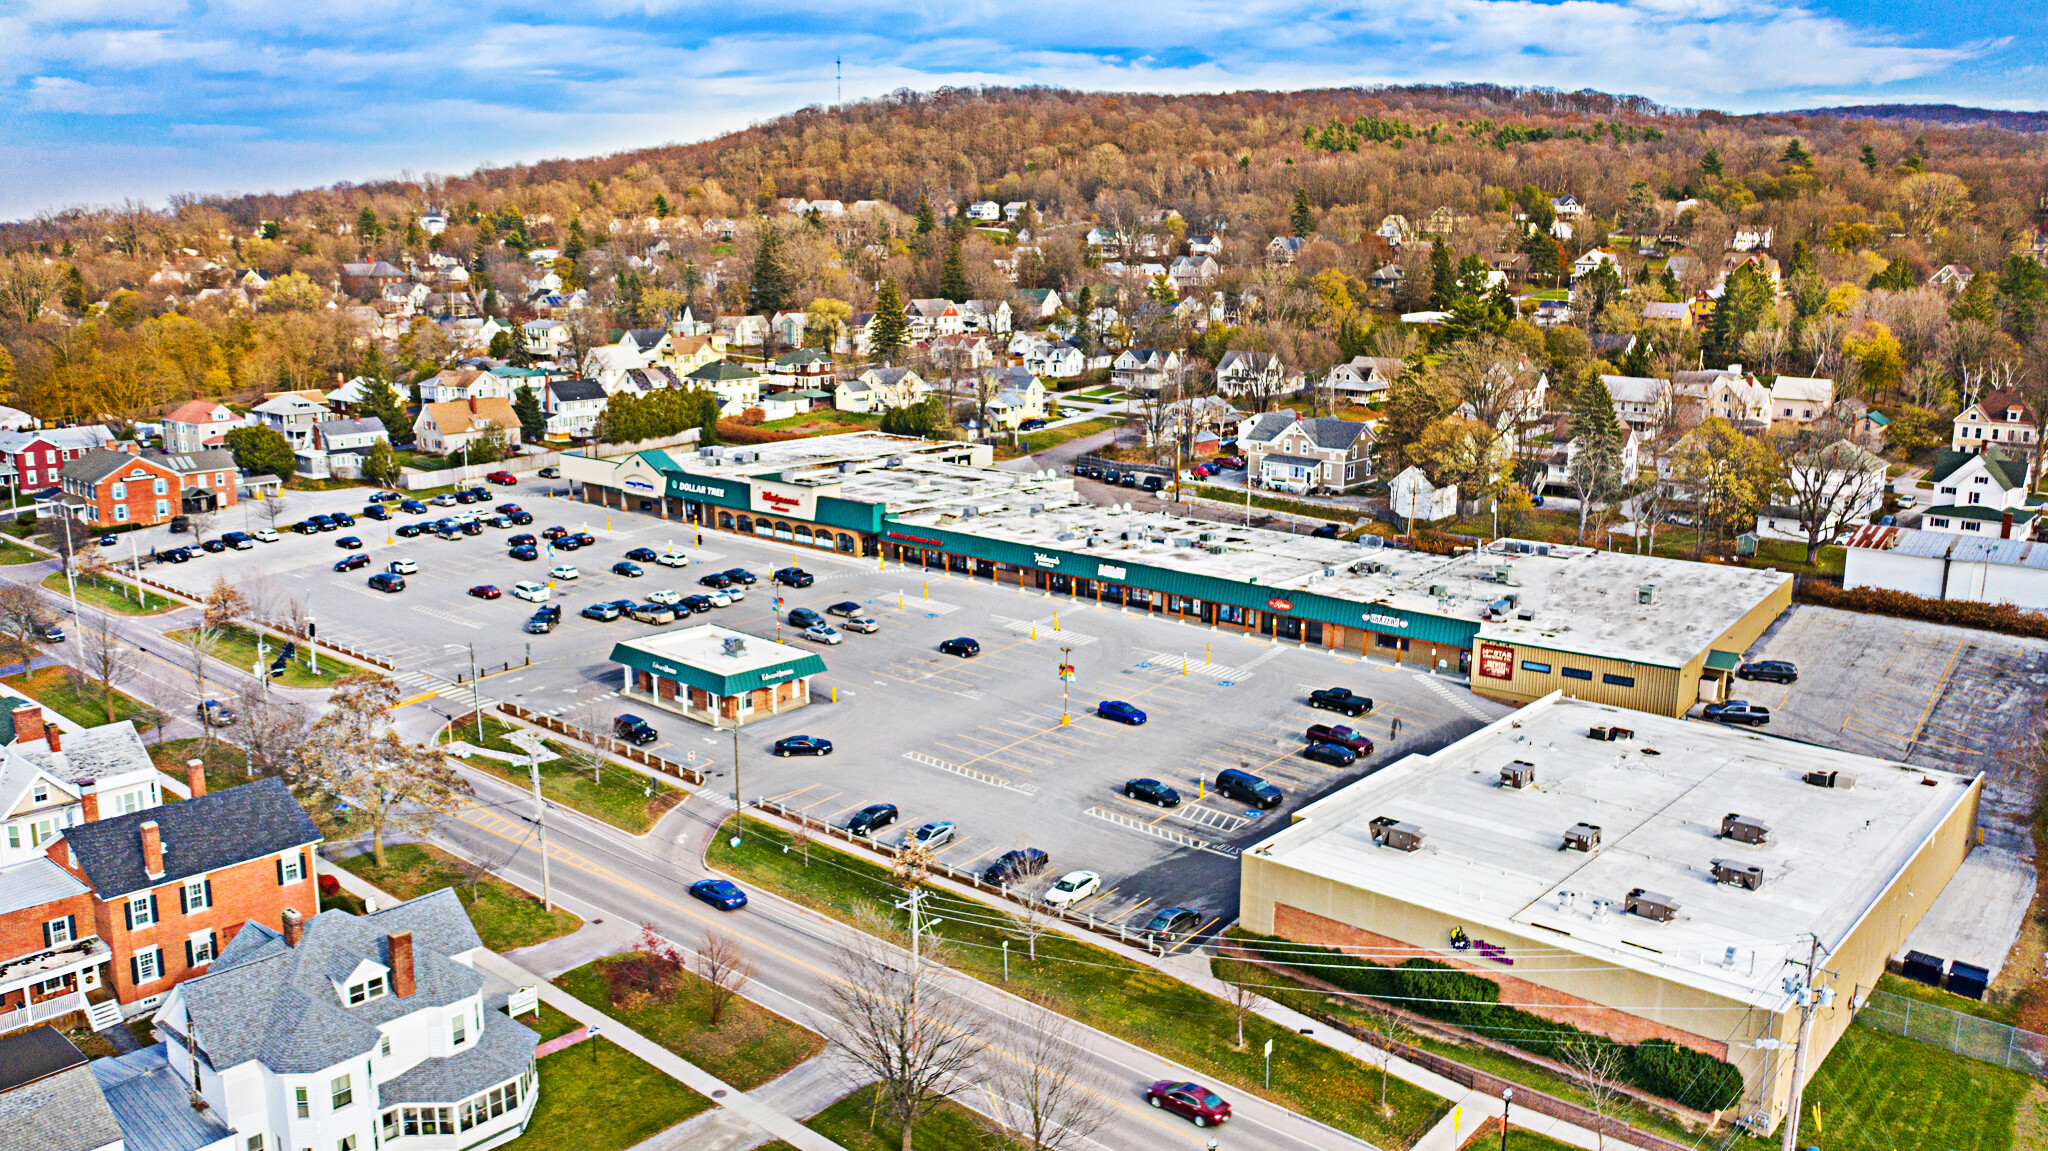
<point>1954,114</point>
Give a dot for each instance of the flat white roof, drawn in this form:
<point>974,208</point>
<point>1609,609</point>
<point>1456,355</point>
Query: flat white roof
<point>1492,855</point>
<point>704,646</point>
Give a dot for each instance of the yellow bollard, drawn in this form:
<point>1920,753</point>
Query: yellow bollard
<point>1201,787</point>
<point>1055,621</point>
<point>899,601</point>
<point>1208,654</point>
<point>1183,665</point>
<point>927,591</point>
<point>607,523</point>
<point>835,695</point>
<point>1034,631</point>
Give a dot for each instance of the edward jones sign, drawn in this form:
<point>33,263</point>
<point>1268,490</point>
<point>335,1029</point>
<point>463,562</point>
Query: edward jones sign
<point>1496,661</point>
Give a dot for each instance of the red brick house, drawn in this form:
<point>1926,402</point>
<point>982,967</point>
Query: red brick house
<point>171,885</point>
<point>50,952</point>
<point>125,485</point>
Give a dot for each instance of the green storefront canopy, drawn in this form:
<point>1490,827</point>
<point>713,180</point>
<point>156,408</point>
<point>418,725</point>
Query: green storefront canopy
<point>705,679</point>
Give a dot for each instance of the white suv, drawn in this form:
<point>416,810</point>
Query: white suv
<point>537,592</point>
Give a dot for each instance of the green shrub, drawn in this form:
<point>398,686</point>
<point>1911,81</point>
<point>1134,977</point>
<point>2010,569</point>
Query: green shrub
<point>1684,1075</point>
<point>2003,618</point>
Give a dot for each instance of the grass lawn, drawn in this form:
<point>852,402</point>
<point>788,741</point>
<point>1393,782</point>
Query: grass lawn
<point>424,462</point>
<point>1104,989</point>
<point>1519,1139</point>
<point>825,420</point>
<point>52,687</point>
<point>505,917</point>
<point>1053,437</point>
<point>750,1046</point>
<point>13,553</point>
<point>226,764</point>
<point>1878,1090</point>
<point>596,1096</point>
<point>1920,992</point>
<point>1275,504</point>
<point>618,795</point>
<point>237,646</point>
<point>112,595</point>
<point>947,1127</point>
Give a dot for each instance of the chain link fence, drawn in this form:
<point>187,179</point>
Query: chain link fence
<point>1955,1031</point>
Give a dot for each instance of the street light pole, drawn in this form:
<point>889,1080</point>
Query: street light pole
<point>475,698</point>
<point>1507,1097</point>
<point>1066,681</point>
<point>540,814</point>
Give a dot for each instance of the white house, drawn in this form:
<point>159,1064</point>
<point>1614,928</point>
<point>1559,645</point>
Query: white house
<point>1191,273</point>
<point>985,211</point>
<point>1144,370</point>
<point>44,789</point>
<point>1260,373</point>
<point>1013,210</point>
<point>1584,265</point>
<point>464,384</point>
<point>354,1032</point>
<point>1363,377</point>
<point>572,406</point>
<point>1038,304</point>
<point>989,317</point>
<point>292,415</point>
<point>738,388</point>
<point>879,388</point>
<point>933,318</point>
<point>1980,493</point>
<point>342,444</point>
<point>1557,467</point>
<point>1801,399</point>
<point>1639,401</point>
<point>1055,360</point>
<point>1017,401</point>
<point>1395,230</point>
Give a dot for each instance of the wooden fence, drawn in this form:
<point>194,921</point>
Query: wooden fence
<point>618,747</point>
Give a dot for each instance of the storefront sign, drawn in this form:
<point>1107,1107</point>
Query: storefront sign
<point>777,674</point>
<point>1045,561</point>
<point>640,485</point>
<point>908,538</point>
<point>1384,620</point>
<point>1278,604</point>
<point>700,489</point>
<point>1109,571</point>
<point>665,669</point>
<point>786,500</point>
<point>1496,661</point>
<point>1494,951</point>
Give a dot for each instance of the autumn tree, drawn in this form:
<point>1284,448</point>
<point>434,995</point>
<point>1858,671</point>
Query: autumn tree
<point>355,755</point>
<point>1724,476</point>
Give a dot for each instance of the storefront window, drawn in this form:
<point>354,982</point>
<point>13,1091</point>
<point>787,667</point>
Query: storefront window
<point>746,525</point>
<point>803,534</point>
<point>1381,639</point>
<point>845,543</point>
<point>957,564</point>
<point>1230,613</point>
<point>1112,593</point>
<point>1064,585</point>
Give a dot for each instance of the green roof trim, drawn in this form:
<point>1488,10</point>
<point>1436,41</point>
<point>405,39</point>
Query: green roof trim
<point>2011,473</point>
<point>803,356</point>
<point>1982,512</point>
<point>1718,660</point>
<point>704,679</point>
<point>720,370</point>
<point>1878,418</point>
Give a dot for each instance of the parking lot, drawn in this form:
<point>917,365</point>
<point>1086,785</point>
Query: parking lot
<point>978,741</point>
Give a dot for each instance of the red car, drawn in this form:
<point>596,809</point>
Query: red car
<point>1190,1100</point>
<point>1341,736</point>
<point>502,478</point>
<point>509,509</point>
<point>485,591</point>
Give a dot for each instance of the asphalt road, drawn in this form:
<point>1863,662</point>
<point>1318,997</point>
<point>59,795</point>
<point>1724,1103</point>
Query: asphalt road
<point>603,874</point>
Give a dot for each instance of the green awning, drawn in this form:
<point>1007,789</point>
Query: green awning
<point>1718,660</point>
<point>718,683</point>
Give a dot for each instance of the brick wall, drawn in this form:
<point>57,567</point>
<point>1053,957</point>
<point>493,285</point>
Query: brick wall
<point>241,893</point>
<point>1308,927</point>
<point>21,933</point>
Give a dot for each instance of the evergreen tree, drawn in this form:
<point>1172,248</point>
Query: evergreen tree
<point>367,226</point>
<point>1897,276</point>
<point>2021,294</point>
<point>661,208</point>
<point>1802,259</point>
<point>261,449</point>
<point>380,464</point>
<point>1978,302</point>
<point>1442,276</point>
<point>577,244</point>
<point>1596,471</point>
<point>1869,159</point>
<point>1303,218</point>
<point>892,327</point>
<point>774,288</point>
<point>1354,336</point>
<point>74,291</point>
<point>953,275</point>
<point>382,402</point>
<point>533,423</point>
<point>1711,163</point>
<point>1795,154</point>
<point>926,220</point>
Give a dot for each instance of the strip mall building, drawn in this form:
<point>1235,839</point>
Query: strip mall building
<point>1520,619</point>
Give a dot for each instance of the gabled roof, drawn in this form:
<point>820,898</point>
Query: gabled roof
<point>802,356</point>
<point>153,1104</point>
<point>35,882</point>
<point>459,416</point>
<point>49,1100</point>
<point>203,834</point>
<point>367,426</point>
<point>83,436</point>
<point>720,371</point>
<point>199,412</point>
<point>2009,474</point>
<point>96,753</point>
<point>1268,426</point>
<point>1997,402</point>
<point>1331,432</point>
<point>571,391</point>
<point>288,404</point>
<point>645,338</point>
<point>99,463</point>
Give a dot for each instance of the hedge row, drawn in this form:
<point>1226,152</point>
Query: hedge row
<point>1463,999</point>
<point>1997,617</point>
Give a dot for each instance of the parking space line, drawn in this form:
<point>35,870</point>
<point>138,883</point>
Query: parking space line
<point>1118,819</point>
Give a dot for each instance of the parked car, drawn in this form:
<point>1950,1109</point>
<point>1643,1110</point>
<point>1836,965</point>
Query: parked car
<point>723,894</point>
<point>180,524</point>
<point>665,595</point>
<point>502,478</point>
<point>524,552</point>
<point>408,531</point>
<point>802,617</point>
<point>351,563</point>
<point>50,633</point>
<point>377,512</point>
<point>531,591</point>
<point>693,605</point>
<point>862,624</point>
<point>349,542</point>
<point>1774,670</point>
<point>403,567</point>
<point>962,647</point>
<point>343,519</point>
<point>214,713</point>
<point>715,579</point>
<point>871,819</point>
<point>1072,888</point>
<point>634,730</point>
<point>1189,1100</point>
<point>802,745</point>
<point>486,591</point>
<point>583,539</point>
<point>388,582</point>
<point>715,598</point>
<point>643,555</point>
<point>554,533</point>
<point>1245,787</point>
<point>413,507</point>
<point>550,473</point>
<point>1170,925</point>
<point>1330,753</point>
<point>540,624</point>
<point>1031,425</point>
<point>1120,711</point>
<point>653,612</point>
<point>1340,699</point>
<point>214,547</point>
<point>568,544</point>
<point>933,835</point>
<point>1012,866</point>
<point>672,560</point>
<point>629,569</point>
<point>263,535</point>
<point>564,571</point>
<point>821,633</point>
<point>794,577</point>
<point>1341,736</point>
<point>240,541</point>
<point>1737,711</point>
<point>1152,791</point>
<point>741,576</point>
<point>601,612</point>
<point>846,608</point>
<point>523,539</point>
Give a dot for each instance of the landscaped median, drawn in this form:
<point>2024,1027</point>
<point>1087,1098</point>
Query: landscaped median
<point>78,700</point>
<point>235,644</point>
<point>615,794</point>
<point>1098,987</point>
<point>748,1046</point>
<point>118,596</point>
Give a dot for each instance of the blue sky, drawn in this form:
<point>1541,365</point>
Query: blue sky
<point>106,99</point>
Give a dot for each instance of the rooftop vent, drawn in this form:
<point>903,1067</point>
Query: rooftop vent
<point>1505,573</point>
<point>1208,536</point>
<point>1388,832</point>
<point>1371,542</point>
<point>1744,875</point>
<point>1063,536</point>
<point>1650,905</point>
<point>1836,779</point>
<point>1218,549</point>
<point>1526,614</point>
<point>893,462</point>
<point>735,645</point>
<point>1582,837</point>
<point>1646,593</point>
<point>1518,774</point>
<point>1610,734</point>
<point>1036,508</point>
<point>1439,591</point>
<point>1744,829</point>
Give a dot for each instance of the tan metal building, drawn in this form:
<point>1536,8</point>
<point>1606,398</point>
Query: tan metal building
<point>1564,932</point>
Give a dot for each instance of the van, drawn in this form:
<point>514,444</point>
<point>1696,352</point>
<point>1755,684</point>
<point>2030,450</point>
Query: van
<point>1245,787</point>
<point>634,730</point>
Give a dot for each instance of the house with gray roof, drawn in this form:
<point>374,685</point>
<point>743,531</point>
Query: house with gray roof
<point>879,388</point>
<point>1981,494</point>
<point>52,779</point>
<point>1287,453</point>
<point>572,406</point>
<point>49,1100</point>
<point>354,1031</point>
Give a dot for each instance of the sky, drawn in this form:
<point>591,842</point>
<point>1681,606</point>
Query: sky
<point>105,100</point>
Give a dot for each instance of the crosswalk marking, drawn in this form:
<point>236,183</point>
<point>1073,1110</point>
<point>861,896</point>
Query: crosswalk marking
<point>970,773</point>
<point>1455,698</point>
<point>1042,630</point>
<point>1168,834</point>
<point>914,603</point>
<point>1209,817</point>
<point>447,617</point>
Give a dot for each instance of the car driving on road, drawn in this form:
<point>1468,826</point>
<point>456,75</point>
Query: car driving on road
<point>801,745</point>
<point>723,894</point>
<point>1190,1101</point>
<point>531,591</point>
<point>486,591</point>
<point>794,577</point>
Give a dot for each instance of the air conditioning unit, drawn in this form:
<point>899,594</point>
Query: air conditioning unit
<point>1646,593</point>
<point>1650,905</point>
<point>1064,536</point>
<point>1744,829</point>
<point>1610,734</point>
<point>1518,774</point>
<point>1389,832</point>
<point>1582,837</point>
<point>1836,779</point>
<point>1439,591</point>
<point>1208,536</point>
<point>1505,573</point>
<point>1744,875</point>
<point>1218,549</point>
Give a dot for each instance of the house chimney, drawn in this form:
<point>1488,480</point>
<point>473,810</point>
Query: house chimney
<point>294,928</point>
<point>54,737</point>
<point>28,723</point>
<point>89,806</point>
<point>472,405</point>
<point>195,776</point>
<point>400,943</point>
<point>131,447</point>
<point>2005,525</point>
<point>152,849</point>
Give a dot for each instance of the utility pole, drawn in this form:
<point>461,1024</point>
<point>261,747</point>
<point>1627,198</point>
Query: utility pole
<point>737,806</point>
<point>540,818</point>
<point>476,698</point>
<point>1809,999</point>
<point>1066,680</point>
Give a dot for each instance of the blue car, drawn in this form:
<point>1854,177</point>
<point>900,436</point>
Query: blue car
<point>1120,711</point>
<point>723,894</point>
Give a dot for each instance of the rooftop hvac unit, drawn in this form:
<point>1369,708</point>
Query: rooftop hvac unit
<point>1526,614</point>
<point>1744,875</point>
<point>1218,549</point>
<point>1646,593</point>
<point>735,645</point>
<point>1836,779</point>
<point>1505,573</point>
<point>893,462</point>
<point>1388,832</point>
<point>1371,542</point>
<point>1518,774</point>
<point>1439,591</point>
<point>1582,837</point>
<point>845,467</point>
<point>1650,905</point>
<point>1542,549</point>
<point>1125,536</point>
<point>1064,536</point>
<point>1183,541</point>
<point>1037,508</point>
<point>1744,829</point>
<point>1207,536</point>
<point>707,453</point>
<point>1516,547</point>
<point>970,511</point>
<point>1610,734</point>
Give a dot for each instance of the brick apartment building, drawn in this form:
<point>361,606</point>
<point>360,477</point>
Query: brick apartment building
<point>126,485</point>
<point>30,461</point>
<point>51,955</point>
<point>171,885</point>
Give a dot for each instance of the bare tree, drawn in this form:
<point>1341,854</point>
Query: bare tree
<point>23,615</point>
<point>196,648</point>
<point>67,537</point>
<point>800,837</point>
<point>199,522</point>
<point>272,728</point>
<point>105,659</point>
<point>1024,920</point>
<point>1595,1064</point>
<point>725,966</point>
<point>1033,1086</point>
<point>1388,1031</point>
<point>899,1028</point>
<point>1243,1000</point>
<point>353,754</point>
<point>1830,482</point>
<point>273,510</point>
